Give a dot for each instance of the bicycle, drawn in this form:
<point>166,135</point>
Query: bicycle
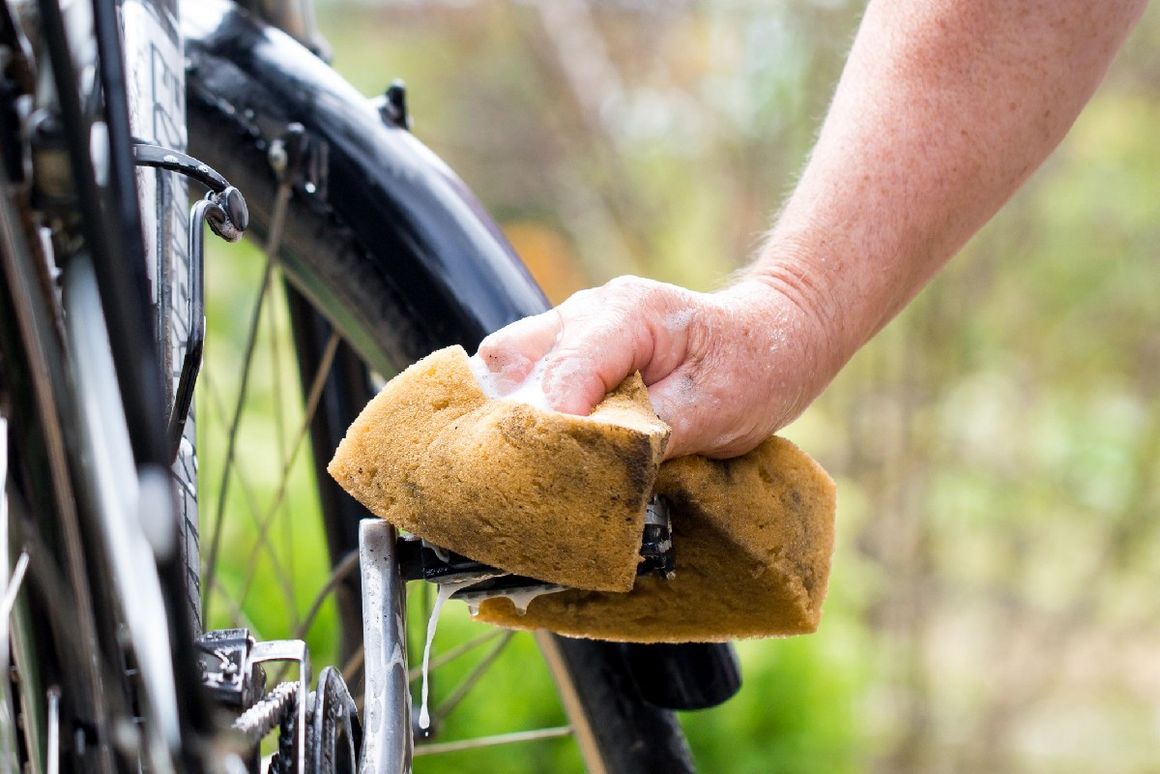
<point>383,255</point>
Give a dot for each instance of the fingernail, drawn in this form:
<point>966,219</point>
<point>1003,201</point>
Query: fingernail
<point>495,360</point>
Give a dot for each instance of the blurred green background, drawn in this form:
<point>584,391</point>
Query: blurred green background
<point>993,604</point>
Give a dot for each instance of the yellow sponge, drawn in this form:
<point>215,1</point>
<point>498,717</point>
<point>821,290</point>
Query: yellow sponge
<point>552,496</point>
<point>753,538</point>
<point>562,498</point>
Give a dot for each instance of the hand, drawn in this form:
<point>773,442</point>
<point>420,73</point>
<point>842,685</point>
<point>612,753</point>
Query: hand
<point>724,370</point>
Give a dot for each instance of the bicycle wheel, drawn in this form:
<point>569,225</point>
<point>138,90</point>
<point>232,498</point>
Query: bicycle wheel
<point>377,238</point>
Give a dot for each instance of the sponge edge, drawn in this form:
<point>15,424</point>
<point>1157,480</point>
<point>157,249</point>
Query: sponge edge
<point>552,496</point>
<point>753,538</point>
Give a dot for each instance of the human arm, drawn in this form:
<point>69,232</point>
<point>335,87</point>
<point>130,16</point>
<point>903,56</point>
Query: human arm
<point>942,111</point>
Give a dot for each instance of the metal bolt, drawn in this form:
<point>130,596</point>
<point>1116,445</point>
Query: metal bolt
<point>394,107</point>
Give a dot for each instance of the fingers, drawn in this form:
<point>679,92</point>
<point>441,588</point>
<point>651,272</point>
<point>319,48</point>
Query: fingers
<point>513,351</point>
<point>628,325</point>
<point>589,344</point>
<point>724,370</point>
<point>598,347</point>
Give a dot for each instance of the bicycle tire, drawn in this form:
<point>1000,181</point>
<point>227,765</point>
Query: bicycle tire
<point>235,115</point>
<point>85,634</point>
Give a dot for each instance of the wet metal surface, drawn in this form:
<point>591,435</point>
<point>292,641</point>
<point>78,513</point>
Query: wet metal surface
<point>387,703</point>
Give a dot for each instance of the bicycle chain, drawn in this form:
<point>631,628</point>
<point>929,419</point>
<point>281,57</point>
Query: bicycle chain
<point>269,711</point>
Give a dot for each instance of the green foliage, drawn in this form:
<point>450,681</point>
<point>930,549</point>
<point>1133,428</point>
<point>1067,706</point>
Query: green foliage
<point>793,714</point>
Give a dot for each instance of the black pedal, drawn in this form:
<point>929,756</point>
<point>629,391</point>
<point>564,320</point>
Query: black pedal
<point>656,546</point>
<point>420,560</point>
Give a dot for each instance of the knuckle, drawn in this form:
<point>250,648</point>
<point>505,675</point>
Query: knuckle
<point>628,290</point>
<point>578,298</point>
<point>624,282</point>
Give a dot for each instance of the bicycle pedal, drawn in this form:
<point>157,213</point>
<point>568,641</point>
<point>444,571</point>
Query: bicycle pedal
<point>421,560</point>
<point>656,548</point>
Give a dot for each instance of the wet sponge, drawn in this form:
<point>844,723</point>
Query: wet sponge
<point>752,538</point>
<point>562,498</point>
<point>552,496</point>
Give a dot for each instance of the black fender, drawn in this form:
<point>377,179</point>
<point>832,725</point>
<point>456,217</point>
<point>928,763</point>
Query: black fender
<point>428,240</point>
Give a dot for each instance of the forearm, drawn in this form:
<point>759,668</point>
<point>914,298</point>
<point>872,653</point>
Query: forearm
<point>943,110</point>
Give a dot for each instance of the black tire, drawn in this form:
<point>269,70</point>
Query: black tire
<point>324,260</point>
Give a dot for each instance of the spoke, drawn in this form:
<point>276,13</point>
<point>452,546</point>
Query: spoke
<point>461,690</point>
<point>340,573</point>
<point>232,430</point>
<point>218,412</point>
<point>316,387</point>
<point>464,647</point>
<point>281,200</point>
<point>280,408</point>
<point>440,748</point>
<point>274,335</point>
<point>13,587</point>
<point>52,745</point>
<point>238,616</point>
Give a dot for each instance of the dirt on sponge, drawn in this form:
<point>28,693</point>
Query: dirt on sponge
<point>753,538</point>
<point>552,496</point>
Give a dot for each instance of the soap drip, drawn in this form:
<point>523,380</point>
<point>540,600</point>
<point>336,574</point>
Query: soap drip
<point>520,597</point>
<point>445,592</point>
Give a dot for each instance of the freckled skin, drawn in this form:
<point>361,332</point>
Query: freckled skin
<point>943,110</point>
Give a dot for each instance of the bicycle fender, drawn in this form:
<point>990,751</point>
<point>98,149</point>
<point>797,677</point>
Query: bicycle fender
<point>423,229</point>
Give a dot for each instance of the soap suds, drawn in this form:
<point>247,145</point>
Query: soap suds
<point>677,320</point>
<point>500,385</point>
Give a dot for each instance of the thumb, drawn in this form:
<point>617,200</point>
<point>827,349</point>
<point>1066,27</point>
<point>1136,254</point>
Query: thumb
<point>595,352</point>
<point>513,351</point>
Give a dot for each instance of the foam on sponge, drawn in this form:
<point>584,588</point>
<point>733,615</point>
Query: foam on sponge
<point>562,498</point>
